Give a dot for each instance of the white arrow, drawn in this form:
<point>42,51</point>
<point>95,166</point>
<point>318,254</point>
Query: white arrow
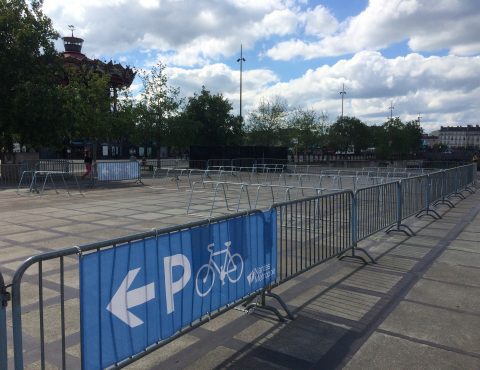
<point>124,299</point>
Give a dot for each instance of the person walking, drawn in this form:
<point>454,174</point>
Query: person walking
<point>88,164</point>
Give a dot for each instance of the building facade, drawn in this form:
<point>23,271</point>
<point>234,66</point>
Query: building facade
<point>460,136</point>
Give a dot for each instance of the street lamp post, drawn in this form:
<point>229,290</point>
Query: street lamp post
<point>342,93</point>
<point>241,60</point>
<point>391,110</point>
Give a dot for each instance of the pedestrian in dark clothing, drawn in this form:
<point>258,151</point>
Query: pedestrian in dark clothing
<point>88,164</point>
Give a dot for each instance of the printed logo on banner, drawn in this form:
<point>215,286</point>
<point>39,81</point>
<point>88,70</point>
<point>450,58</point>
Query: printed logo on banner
<point>135,295</point>
<point>259,274</point>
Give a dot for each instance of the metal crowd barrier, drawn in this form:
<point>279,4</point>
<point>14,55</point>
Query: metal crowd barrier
<point>239,196</point>
<point>37,175</point>
<point>309,231</point>
<point>375,209</point>
<point>118,170</point>
<point>51,338</point>
<point>4,298</point>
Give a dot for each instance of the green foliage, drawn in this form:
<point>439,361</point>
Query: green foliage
<point>349,132</point>
<point>158,104</point>
<point>267,121</point>
<point>208,117</point>
<point>395,139</point>
<point>30,69</point>
<point>307,128</point>
<point>87,105</point>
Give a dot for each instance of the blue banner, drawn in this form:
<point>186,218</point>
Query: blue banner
<point>112,171</point>
<point>134,295</point>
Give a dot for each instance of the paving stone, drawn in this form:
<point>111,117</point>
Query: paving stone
<point>454,296</point>
<point>465,245</point>
<point>212,359</point>
<point>146,216</point>
<point>30,321</point>
<point>29,236</point>
<point>395,263</point>
<point>78,228</point>
<point>436,325</point>
<point>383,351</point>
<point>460,258</point>
<point>411,251</point>
<point>370,280</point>
<point>469,236</point>
<point>452,273</point>
<point>11,229</point>
<point>342,303</point>
<point>16,253</point>
<point>153,360</point>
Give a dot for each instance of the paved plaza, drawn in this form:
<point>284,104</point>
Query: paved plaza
<point>417,308</point>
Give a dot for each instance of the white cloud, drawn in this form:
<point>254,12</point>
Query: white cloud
<point>432,86</point>
<point>192,32</point>
<point>427,25</point>
<point>219,78</point>
<point>320,22</point>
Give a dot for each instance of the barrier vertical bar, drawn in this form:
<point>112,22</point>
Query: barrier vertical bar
<point>399,226</point>
<point>4,298</point>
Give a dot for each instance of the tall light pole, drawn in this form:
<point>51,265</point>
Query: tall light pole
<point>391,110</point>
<point>241,60</point>
<point>342,93</point>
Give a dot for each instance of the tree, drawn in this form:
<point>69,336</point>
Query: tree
<point>209,116</point>
<point>308,128</point>
<point>87,106</point>
<point>349,132</point>
<point>395,139</point>
<point>159,102</point>
<point>30,74</point>
<point>413,136</point>
<point>266,122</point>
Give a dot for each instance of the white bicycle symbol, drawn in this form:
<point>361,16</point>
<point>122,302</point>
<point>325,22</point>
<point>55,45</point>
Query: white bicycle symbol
<point>232,268</point>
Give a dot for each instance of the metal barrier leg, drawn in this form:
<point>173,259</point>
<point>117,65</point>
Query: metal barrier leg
<point>444,201</point>
<point>65,183</point>
<point>399,226</point>
<point>355,256</point>
<point>4,298</point>
<point>429,212</point>
<point>250,305</point>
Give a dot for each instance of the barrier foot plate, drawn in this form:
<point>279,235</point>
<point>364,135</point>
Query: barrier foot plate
<point>458,195</point>
<point>282,303</point>
<point>353,255</point>
<point>402,228</point>
<point>256,305</point>
<point>250,305</point>
<point>444,201</point>
<point>428,212</point>
<point>470,190</point>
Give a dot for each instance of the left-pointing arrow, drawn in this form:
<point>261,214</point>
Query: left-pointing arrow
<point>124,299</point>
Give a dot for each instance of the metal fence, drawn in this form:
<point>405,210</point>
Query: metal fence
<point>309,232</point>
<point>4,297</point>
<point>312,231</point>
<point>50,327</point>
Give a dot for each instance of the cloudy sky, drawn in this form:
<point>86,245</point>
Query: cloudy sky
<point>422,56</point>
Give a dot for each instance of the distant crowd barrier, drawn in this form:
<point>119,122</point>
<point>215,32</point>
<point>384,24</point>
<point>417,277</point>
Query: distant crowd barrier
<point>4,298</point>
<point>35,175</point>
<point>118,170</point>
<point>139,292</point>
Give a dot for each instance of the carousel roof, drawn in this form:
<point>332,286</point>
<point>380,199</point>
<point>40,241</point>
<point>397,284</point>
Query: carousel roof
<point>120,76</point>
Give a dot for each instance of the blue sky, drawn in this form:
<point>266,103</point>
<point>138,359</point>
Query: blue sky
<point>421,55</point>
